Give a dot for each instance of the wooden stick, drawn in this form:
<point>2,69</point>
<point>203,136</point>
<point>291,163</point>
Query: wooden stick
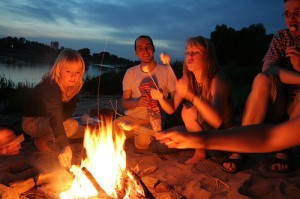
<point>90,176</point>
<point>144,130</point>
<point>137,178</point>
<point>153,80</point>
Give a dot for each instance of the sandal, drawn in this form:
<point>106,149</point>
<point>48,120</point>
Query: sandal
<point>238,163</point>
<point>285,164</point>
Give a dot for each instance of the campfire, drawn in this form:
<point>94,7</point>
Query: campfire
<point>103,171</point>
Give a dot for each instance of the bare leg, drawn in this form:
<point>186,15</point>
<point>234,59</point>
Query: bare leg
<point>286,165</point>
<point>192,125</point>
<point>257,103</point>
<point>265,89</point>
<point>265,101</point>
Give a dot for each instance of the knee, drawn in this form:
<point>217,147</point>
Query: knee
<point>188,114</point>
<point>262,82</point>
<point>71,127</point>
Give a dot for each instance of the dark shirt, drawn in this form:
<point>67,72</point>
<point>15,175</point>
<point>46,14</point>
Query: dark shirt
<point>46,101</point>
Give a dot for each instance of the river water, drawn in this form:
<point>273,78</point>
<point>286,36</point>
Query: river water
<point>20,71</point>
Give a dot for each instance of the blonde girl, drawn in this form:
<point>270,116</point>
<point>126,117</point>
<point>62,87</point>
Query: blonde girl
<point>48,112</point>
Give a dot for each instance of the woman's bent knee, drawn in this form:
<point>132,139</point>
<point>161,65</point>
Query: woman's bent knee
<point>73,128</point>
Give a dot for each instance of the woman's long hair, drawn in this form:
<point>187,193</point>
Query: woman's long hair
<point>210,68</point>
<point>66,57</point>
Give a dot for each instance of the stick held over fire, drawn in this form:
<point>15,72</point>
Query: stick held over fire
<point>129,125</point>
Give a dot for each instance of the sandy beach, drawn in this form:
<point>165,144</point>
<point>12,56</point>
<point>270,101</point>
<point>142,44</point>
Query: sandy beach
<point>203,180</point>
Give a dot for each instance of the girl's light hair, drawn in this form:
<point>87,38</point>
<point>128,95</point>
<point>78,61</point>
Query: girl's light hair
<point>67,57</point>
<point>210,68</point>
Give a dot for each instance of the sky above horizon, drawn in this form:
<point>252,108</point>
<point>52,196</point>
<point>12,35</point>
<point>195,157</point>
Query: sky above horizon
<point>113,25</point>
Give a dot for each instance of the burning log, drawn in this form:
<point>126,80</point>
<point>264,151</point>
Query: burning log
<point>88,174</point>
<point>147,193</point>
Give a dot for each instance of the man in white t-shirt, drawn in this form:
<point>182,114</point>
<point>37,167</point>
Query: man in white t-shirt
<point>137,82</point>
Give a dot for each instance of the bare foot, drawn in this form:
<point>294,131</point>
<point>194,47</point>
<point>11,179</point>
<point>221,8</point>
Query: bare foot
<point>233,163</point>
<point>200,154</point>
<point>281,163</point>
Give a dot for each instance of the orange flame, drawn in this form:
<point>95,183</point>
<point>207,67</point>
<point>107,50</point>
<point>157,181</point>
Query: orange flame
<point>106,161</point>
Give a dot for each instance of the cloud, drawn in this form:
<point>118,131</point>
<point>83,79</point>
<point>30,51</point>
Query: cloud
<point>169,23</point>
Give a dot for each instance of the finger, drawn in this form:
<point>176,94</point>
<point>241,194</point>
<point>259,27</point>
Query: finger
<point>172,144</point>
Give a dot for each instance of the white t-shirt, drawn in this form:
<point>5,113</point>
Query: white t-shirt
<point>163,76</point>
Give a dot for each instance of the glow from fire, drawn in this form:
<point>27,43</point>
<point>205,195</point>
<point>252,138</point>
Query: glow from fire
<point>105,159</point>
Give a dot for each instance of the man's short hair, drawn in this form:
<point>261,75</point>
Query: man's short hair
<point>144,37</point>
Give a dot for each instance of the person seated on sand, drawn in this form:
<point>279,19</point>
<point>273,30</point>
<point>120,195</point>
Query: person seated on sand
<point>48,112</point>
<point>7,147</point>
<point>204,91</point>
<point>275,93</point>
<point>139,107</point>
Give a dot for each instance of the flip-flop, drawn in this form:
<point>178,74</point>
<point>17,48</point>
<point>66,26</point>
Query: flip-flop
<point>287,161</point>
<point>239,163</point>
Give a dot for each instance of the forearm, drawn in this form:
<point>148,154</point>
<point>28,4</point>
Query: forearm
<point>129,103</point>
<point>285,76</point>
<point>167,105</point>
<point>289,77</point>
<point>250,139</point>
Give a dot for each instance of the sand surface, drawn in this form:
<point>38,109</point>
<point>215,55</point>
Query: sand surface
<point>203,180</point>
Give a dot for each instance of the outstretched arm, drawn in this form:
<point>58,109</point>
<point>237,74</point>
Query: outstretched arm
<point>246,139</point>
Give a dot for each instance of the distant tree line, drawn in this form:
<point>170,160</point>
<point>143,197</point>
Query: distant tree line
<point>243,48</point>
<point>20,47</point>
<point>240,54</point>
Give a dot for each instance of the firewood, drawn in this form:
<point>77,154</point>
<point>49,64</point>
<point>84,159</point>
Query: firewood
<point>140,182</point>
<point>8,193</point>
<point>150,181</point>
<point>22,185</point>
<point>89,175</point>
<point>47,193</point>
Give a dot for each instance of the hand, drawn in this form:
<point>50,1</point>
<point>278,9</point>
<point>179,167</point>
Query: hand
<point>179,138</point>
<point>174,138</point>
<point>65,157</point>
<point>183,90</point>
<point>294,55</point>
<point>156,94</point>
<point>165,58</point>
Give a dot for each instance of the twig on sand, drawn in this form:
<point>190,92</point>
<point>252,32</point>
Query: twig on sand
<point>218,180</point>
